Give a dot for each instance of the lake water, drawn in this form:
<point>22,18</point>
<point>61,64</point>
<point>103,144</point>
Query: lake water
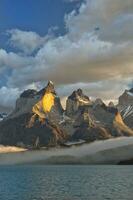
<point>66,182</point>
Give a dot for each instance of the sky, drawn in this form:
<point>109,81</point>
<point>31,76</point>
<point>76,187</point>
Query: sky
<point>84,44</point>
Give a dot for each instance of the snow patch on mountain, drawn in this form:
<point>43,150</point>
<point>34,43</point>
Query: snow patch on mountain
<point>127,111</point>
<point>2,116</point>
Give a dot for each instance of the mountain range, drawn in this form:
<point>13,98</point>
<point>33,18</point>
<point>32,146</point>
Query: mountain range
<point>39,119</point>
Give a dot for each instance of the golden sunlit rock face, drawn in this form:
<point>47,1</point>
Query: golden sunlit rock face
<point>48,102</point>
<point>118,118</point>
<point>120,125</point>
<point>37,109</point>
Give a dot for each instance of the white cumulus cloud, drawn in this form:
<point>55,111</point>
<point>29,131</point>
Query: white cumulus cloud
<point>27,41</point>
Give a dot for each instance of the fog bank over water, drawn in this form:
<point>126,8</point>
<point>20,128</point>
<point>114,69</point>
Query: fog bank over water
<point>110,151</point>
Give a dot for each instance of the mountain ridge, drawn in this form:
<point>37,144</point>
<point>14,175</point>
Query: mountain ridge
<point>39,120</point>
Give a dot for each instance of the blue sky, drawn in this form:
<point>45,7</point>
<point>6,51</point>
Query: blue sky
<point>74,43</point>
<point>33,15</point>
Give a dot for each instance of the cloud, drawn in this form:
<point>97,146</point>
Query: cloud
<point>14,60</point>
<point>26,41</point>
<point>106,89</point>
<point>95,53</point>
<point>81,54</point>
<point>71,1</point>
<point>8,97</point>
<point>86,60</point>
<point>113,17</point>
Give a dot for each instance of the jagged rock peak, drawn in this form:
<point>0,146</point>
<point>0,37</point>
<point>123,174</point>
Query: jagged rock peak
<point>78,94</point>
<point>111,104</point>
<point>48,89</point>
<point>50,82</point>
<point>98,101</point>
<point>129,92</point>
<point>126,98</point>
<point>31,93</point>
<point>75,100</point>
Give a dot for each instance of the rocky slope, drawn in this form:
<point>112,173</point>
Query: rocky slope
<point>100,122</point>
<point>39,120</point>
<point>34,121</point>
<point>125,106</point>
<point>75,100</point>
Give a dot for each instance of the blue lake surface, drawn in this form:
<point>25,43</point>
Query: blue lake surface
<point>66,182</point>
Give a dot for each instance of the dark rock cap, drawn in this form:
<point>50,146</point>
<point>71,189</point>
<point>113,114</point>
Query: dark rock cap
<point>28,93</point>
<point>78,93</point>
